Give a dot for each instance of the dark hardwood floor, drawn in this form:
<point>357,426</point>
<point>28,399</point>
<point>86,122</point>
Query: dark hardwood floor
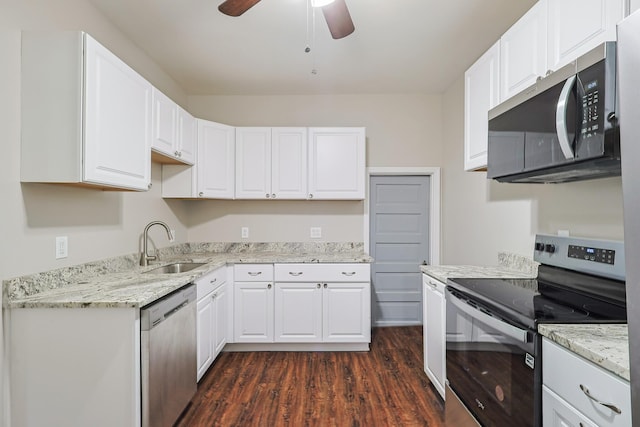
<point>384,387</point>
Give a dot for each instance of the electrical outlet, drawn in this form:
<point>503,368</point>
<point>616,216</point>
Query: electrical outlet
<point>62,247</point>
<point>315,232</point>
<point>245,232</point>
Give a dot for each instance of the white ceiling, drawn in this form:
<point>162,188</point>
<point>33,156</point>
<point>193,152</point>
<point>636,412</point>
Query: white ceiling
<point>399,46</point>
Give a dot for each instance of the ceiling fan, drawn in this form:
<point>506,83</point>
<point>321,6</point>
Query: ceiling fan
<point>335,13</point>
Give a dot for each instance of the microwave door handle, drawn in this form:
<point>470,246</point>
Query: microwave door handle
<point>520,335</point>
<point>561,118</point>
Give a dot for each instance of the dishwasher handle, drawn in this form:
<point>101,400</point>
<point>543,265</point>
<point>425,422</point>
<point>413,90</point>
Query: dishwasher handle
<point>160,310</point>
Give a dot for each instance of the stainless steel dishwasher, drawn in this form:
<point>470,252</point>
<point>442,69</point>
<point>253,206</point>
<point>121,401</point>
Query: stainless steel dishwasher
<point>168,352</point>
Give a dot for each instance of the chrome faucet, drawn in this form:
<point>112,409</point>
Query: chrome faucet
<point>144,256</point>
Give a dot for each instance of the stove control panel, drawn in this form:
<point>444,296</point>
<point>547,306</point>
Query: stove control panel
<point>607,256</point>
<point>599,257</point>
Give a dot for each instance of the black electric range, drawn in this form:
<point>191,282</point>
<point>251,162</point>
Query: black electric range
<point>493,350</point>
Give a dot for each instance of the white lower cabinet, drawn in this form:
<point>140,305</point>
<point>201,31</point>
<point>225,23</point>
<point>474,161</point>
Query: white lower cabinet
<point>308,303</point>
<point>298,312</point>
<point>211,318</point>
<point>253,303</point>
<point>434,335</point>
<point>576,392</point>
<point>346,312</point>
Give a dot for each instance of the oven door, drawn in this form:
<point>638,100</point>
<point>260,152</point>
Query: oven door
<point>491,365</point>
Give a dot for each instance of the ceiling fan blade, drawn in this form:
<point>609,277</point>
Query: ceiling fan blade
<point>236,7</point>
<point>338,19</point>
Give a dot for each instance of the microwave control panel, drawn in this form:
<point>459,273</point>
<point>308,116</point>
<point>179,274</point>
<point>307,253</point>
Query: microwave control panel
<point>606,256</point>
<point>590,109</point>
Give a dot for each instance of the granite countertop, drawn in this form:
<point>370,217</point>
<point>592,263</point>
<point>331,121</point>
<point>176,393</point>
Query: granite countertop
<point>510,266</point>
<point>121,282</point>
<point>606,345</point>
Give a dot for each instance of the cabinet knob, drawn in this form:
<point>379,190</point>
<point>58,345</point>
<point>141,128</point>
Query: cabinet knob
<point>325,286</point>
<point>179,153</point>
<point>318,285</point>
<point>149,186</point>
<point>214,296</point>
<point>213,281</point>
<point>310,196</point>
<point>268,195</point>
<point>176,153</point>
<point>273,195</point>
<point>200,194</point>
<point>269,286</point>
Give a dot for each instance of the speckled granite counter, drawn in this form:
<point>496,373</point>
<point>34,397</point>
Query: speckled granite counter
<point>605,345</point>
<point>510,266</point>
<point>121,282</point>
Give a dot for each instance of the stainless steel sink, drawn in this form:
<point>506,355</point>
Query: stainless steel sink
<point>178,267</point>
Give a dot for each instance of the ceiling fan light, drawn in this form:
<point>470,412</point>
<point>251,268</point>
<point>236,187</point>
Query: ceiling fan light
<point>320,3</point>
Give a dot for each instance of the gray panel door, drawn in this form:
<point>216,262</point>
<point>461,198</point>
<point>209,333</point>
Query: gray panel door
<point>399,243</point>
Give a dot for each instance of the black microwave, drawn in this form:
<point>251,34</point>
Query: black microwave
<point>563,128</point>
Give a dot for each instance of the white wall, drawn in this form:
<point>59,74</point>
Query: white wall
<point>483,217</point>
<point>402,130</point>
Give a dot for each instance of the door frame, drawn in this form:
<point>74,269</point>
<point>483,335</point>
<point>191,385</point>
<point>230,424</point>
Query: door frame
<point>433,208</point>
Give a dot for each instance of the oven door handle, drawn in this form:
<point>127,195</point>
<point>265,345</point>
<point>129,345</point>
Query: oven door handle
<point>507,329</point>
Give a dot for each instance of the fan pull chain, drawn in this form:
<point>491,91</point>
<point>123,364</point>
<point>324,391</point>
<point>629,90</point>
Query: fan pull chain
<point>314,71</point>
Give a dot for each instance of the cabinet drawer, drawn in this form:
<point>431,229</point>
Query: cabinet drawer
<point>322,272</point>
<point>252,272</point>
<point>565,372</point>
<point>210,281</point>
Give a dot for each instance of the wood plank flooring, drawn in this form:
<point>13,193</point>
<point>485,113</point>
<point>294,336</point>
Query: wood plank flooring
<point>384,387</point>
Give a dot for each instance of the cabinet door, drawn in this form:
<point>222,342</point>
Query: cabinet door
<point>215,160</point>
<point>205,334</point>
<point>253,163</point>
<point>253,312</point>
<point>298,312</point>
<point>523,51</point>
<point>220,313</point>
<point>165,124</point>
<point>556,412</point>
<point>336,163</point>
<point>577,26</point>
<point>481,93</point>
<point>434,333</point>
<point>289,163</point>
<point>187,136</point>
<point>346,312</point>
<point>117,133</point>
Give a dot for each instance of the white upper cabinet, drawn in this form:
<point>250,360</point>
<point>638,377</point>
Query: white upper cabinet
<point>253,163</point>
<point>336,163</point>
<point>215,158</point>
<point>86,115</point>
<point>577,26</point>
<point>634,5</point>
<point>523,51</point>
<point>481,93</point>
<point>213,175</point>
<point>187,136</point>
<point>289,163</point>
<point>174,131</point>
<point>271,163</point>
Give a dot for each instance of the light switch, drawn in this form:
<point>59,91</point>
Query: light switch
<point>62,248</point>
<point>315,232</point>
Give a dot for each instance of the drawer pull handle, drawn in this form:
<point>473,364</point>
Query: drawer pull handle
<point>255,273</point>
<point>611,406</point>
<point>433,286</point>
<point>213,281</point>
<point>349,273</point>
<point>295,273</point>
